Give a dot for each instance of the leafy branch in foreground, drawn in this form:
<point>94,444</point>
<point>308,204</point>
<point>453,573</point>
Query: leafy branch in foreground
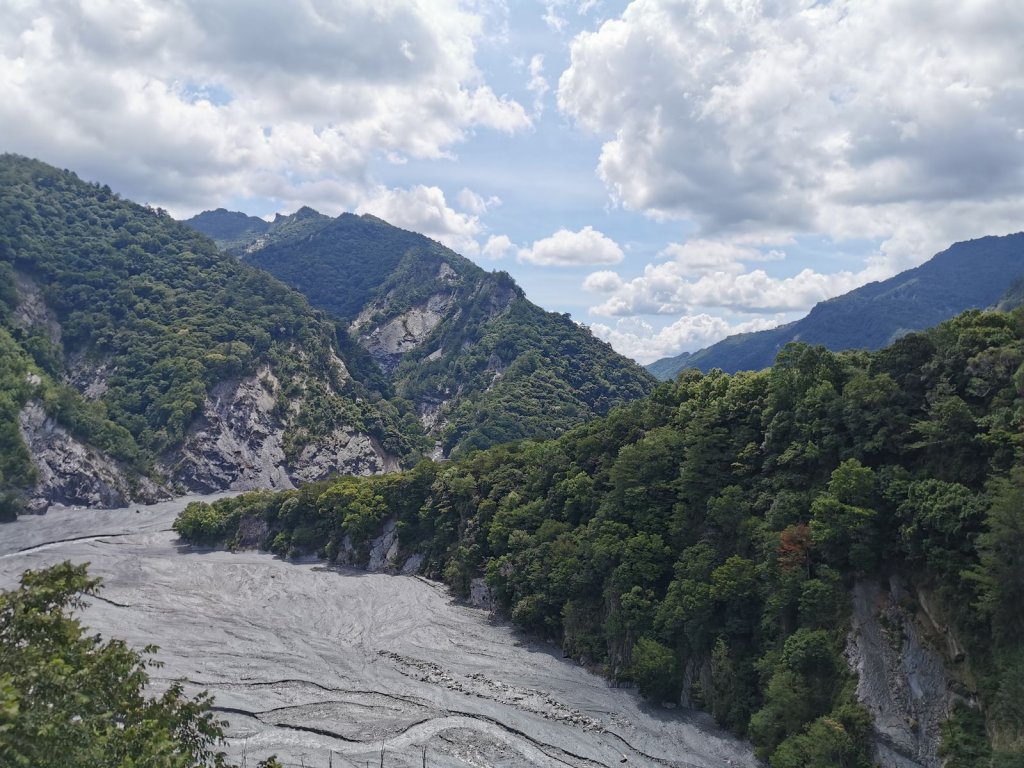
<point>67,698</point>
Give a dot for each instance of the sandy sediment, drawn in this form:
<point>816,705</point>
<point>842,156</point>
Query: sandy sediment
<point>305,661</point>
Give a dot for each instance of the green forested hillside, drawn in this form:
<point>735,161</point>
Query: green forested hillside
<point>493,366</point>
<point>703,541</point>
<point>968,275</point>
<point>163,311</point>
<point>229,229</point>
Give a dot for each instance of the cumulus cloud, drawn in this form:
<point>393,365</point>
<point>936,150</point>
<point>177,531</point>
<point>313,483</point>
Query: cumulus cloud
<point>668,289</point>
<point>604,281</point>
<point>538,84</point>
<point>498,247</point>
<point>896,120</point>
<point>700,256</point>
<point>553,18</point>
<point>572,249</point>
<point>470,201</point>
<point>638,339</point>
<point>425,210</point>
<point>189,103</point>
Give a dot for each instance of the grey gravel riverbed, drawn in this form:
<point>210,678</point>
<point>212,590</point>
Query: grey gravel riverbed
<point>305,660</point>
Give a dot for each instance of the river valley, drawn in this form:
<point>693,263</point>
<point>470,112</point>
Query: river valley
<point>321,665</point>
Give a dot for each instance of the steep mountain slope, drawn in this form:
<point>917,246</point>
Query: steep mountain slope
<point>479,363</point>
<point>827,554</point>
<point>136,353</point>
<point>968,275</point>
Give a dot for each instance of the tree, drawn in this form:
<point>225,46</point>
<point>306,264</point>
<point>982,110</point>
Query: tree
<point>654,670</point>
<point>1000,572</point>
<point>68,698</point>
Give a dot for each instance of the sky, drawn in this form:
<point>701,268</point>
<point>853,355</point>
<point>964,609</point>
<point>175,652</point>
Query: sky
<point>668,172</point>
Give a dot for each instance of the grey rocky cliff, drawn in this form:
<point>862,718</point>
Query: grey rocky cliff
<point>388,343</point>
<point>902,675</point>
<point>32,312</point>
<point>88,375</point>
<point>73,474</point>
<point>238,444</point>
<point>346,452</point>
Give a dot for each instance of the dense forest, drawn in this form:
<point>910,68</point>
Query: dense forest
<point>122,323</point>
<point>702,542</point>
<point>967,275</point>
<point>154,304</point>
<point>494,368</point>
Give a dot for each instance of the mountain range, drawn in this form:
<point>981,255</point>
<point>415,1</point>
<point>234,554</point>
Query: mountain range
<point>968,275</point>
<point>140,361</point>
<point>477,362</point>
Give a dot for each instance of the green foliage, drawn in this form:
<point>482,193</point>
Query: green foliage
<point>654,670</point>
<point>166,314</point>
<point>1000,570</point>
<point>68,698</point>
<point>16,469</point>
<point>503,368</point>
<point>202,523</point>
<point>710,532</point>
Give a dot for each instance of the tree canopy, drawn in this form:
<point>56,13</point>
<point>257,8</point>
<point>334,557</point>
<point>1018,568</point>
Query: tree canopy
<point>702,541</point>
<point>69,698</point>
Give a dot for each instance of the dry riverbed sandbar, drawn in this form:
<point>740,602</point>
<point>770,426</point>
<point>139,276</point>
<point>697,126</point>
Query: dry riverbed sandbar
<point>306,661</point>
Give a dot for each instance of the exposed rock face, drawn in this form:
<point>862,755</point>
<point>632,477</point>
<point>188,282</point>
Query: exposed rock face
<point>343,452</point>
<point>384,549</point>
<point>73,474</point>
<point>389,342</point>
<point>32,313</point>
<point>88,376</point>
<point>236,444</point>
<point>480,594</point>
<point>431,412</point>
<point>902,677</point>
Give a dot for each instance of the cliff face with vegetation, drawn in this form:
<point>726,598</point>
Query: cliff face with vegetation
<point>138,360</point>
<point>813,553</point>
<point>460,347</point>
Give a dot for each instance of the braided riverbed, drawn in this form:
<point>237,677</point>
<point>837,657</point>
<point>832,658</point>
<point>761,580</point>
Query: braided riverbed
<point>306,661</point>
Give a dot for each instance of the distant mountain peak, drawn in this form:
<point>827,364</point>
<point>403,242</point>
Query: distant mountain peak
<point>971,274</point>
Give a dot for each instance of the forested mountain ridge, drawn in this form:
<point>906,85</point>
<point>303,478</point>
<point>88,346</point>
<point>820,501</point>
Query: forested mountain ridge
<point>462,347</point>
<point>825,554</point>
<point>227,228</point>
<point>139,360</point>
<point>968,275</point>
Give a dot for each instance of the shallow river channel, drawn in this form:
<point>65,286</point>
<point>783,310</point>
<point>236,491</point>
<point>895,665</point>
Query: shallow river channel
<point>307,661</point>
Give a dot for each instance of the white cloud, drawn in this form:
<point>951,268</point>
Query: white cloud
<point>188,104</point>
<point>538,84</point>
<point>564,248</point>
<point>470,201</point>
<point>425,210</point>
<point>638,339</point>
<point>894,120</point>
<point>700,256</point>
<point>668,289</point>
<point>604,281</point>
<point>552,18</point>
<point>498,247</point>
